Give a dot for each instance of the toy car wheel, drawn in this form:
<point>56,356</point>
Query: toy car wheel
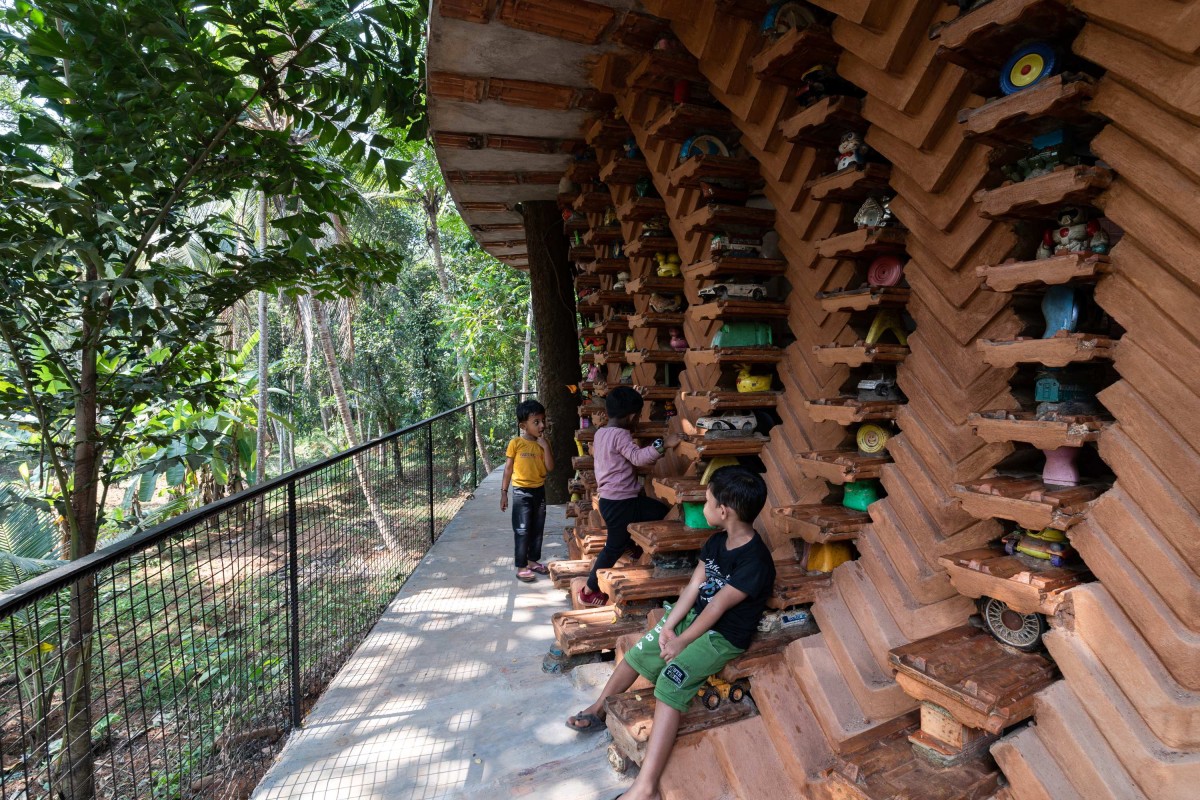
<point>1010,546</point>
<point>739,690</point>
<point>711,698</point>
<point>747,426</point>
<point>758,293</point>
<point>618,760</point>
<point>1057,561</point>
<point>721,292</point>
<point>1020,631</point>
<point>1027,66</point>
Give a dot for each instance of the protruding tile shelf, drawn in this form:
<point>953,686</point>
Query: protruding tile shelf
<point>681,120</point>
<point>1058,351</point>
<point>850,410</point>
<point>791,55</point>
<point>1014,275</point>
<point>990,572</point>
<point>585,434</point>
<point>640,209</point>
<point>738,309</point>
<point>717,218</point>
<point>624,171</point>
<point>715,401</point>
<point>862,242</point>
<point>732,265</point>
<point>1024,426</point>
<point>587,358</point>
<point>709,167</point>
<point>659,69</point>
<point>1019,116</point>
<point>653,283</point>
<point>648,431</point>
<point>606,131</point>
<point>793,585</point>
<point>850,184</point>
<point>668,536</point>
<point>1027,501</point>
<point>997,28</point>
<point>840,466</point>
<point>636,584</point>
<point>657,392</point>
<point>592,202</point>
<point>583,462</point>
<point>824,121</point>
<point>647,246</point>
<point>864,298</point>
<point>576,222</point>
<point>582,253</point>
<point>965,671</point>
<point>617,323</point>
<point>613,357</point>
<point>674,491</point>
<point>655,357</point>
<point>593,629</point>
<point>601,236</point>
<point>653,319</point>
<point>695,447</point>
<point>1038,198</point>
<point>583,171</point>
<point>709,356</point>
<point>820,523</point>
<point>608,297</point>
<point>856,355</point>
<point>608,266</point>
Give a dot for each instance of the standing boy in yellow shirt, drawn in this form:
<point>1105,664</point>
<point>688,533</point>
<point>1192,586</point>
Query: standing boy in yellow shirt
<point>529,459</point>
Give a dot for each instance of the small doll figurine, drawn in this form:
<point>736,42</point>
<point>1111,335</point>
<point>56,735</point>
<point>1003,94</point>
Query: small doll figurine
<point>664,303</point>
<point>1076,233</point>
<point>622,279</point>
<point>593,374</point>
<point>852,151</point>
<point>678,343</point>
<point>629,345</point>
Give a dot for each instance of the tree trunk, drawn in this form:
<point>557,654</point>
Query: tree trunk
<point>343,405</point>
<point>555,324</point>
<point>431,206</point>
<point>260,459</point>
<point>528,347</point>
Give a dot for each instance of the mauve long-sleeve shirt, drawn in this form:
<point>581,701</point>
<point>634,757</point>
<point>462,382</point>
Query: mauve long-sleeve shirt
<point>615,458</point>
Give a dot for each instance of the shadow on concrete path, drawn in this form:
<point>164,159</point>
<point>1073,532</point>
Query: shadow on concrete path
<point>446,697</point>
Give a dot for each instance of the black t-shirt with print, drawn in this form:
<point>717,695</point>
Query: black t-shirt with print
<point>749,569</point>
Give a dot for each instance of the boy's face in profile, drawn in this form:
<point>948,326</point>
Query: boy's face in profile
<point>714,514</point>
<point>534,426</point>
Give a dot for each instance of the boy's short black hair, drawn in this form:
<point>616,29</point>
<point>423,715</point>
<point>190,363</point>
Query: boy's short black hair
<point>621,401</point>
<point>527,408</point>
<point>740,489</point>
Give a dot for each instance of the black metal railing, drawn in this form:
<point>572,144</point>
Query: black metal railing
<point>173,663</point>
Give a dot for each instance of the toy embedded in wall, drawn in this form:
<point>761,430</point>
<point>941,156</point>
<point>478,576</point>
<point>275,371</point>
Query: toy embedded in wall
<point>610,216</point>
<point>621,279</point>
<point>665,303</point>
<point>1049,152</point>
<point>1048,544</point>
<point>668,264</point>
<point>748,382</point>
<point>616,250</point>
<point>852,151</point>
<point>1009,626</point>
<point>743,334</point>
<point>593,373</point>
<point>724,244</point>
<point>678,342</point>
<point>738,290</point>
<point>871,439</point>
<point>878,387</point>
<point>631,148</point>
<point>1061,468</point>
<point>820,82</point>
<point>1059,395</point>
<point>731,422</point>
<point>626,376</point>
<point>887,320</point>
<point>1029,65</point>
<point>1060,308</point>
<point>655,227</point>
<point>875,212</point>
<point>728,192</point>
<point>860,494</point>
<point>702,144</point>
<point>784,17</point>
<point>1077,232</point>
<point>629,344</point>
<point>593,344</point>
<point>885,270</point>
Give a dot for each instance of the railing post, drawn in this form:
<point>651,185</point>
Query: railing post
<point>293,602</point>
<point>474,447</point>
<point>429,475</point>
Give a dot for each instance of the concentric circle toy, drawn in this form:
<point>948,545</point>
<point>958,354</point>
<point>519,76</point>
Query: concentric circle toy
<point>885,271</point>
<point>1027,66</point>
<point>871,439</point>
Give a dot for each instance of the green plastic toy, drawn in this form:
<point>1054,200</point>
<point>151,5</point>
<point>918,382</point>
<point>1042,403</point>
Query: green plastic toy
<point>860,494</point>
<point>743,334</point>
<point>693,515</point>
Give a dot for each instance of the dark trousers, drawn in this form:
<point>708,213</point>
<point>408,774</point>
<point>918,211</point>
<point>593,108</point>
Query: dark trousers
<point>618,516</point>
<point>529,522</point>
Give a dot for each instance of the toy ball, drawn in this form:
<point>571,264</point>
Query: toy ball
<point>885,271</point>
<point>1027,66</point>
<point>871,439</point>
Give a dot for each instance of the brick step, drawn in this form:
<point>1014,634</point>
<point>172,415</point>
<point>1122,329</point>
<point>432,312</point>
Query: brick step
<point>844,722</point>
<point>1032,772</point>
<point>981,683</point>
<point>869,681</point>
<point>886,768</point>
<point>790,722</point>
<point>871,615</point>
<point>753,766</point>
<point>668,536</point>
<point>1164,772</point>
<point>822,522</point>
<point>794,586</point>
<point>641,583</point>
<point>915,619</point>
<point>1170,710</point>
<point>923,581</point>
<point>562,572</point>
<point>630,718</point>
<point>1074,741</point>
<point>591,630</point>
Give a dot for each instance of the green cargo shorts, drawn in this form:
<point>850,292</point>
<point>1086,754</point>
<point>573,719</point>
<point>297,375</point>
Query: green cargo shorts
<point>677,682</point>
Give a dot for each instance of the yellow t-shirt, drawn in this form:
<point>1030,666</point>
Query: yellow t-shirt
<point>529,463</point>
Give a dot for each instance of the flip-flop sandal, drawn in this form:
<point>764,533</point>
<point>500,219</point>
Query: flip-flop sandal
<point>594,723</point>
<point>526,576</point>
<point>539,568</point>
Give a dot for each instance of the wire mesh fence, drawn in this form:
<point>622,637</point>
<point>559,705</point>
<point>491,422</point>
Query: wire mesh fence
<point>173,663</point>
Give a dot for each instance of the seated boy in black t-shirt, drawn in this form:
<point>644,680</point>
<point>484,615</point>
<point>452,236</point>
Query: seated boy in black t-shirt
<point>713,621</point>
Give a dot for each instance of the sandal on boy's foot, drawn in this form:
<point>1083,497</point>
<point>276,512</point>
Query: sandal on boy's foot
<point>538,567</point>
<point>591,723</point>
<point>590,598</point>
<point>526,576</point>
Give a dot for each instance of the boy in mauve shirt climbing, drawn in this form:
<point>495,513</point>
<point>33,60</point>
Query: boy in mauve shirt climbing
<point>713,621</point>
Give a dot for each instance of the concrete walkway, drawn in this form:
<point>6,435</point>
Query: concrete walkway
<point>446,697</point>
